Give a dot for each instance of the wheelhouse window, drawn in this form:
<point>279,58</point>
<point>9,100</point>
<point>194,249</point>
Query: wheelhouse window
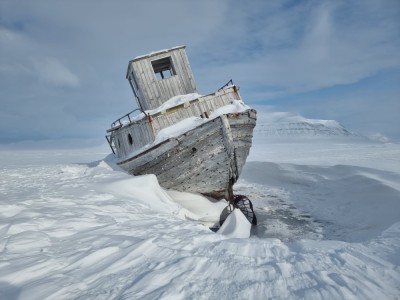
<point>163,68</point>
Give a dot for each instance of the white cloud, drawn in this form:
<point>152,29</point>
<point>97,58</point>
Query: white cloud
<point>22,56</point>
<point>51,70</point>
<point>71,56</point>
<point>314,45</point>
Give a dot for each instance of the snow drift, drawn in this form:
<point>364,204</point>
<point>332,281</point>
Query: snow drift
<point>328,212</point>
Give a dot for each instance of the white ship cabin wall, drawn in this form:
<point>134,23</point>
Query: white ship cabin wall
<point>159,76</point>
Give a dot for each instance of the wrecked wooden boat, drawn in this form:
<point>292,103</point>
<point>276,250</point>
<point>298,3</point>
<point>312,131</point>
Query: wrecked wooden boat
<point>192,143</point>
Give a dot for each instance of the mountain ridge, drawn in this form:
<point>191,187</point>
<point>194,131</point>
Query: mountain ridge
<point>285,124</point>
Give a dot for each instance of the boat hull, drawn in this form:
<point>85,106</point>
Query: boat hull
<point>207,159</point>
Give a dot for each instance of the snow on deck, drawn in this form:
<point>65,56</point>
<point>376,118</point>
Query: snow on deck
<point>190,123</point>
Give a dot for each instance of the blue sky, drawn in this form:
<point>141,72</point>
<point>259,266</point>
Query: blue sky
<point>63,63</point>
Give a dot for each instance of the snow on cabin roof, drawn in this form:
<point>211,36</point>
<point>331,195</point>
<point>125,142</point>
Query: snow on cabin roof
<point>155,53</point>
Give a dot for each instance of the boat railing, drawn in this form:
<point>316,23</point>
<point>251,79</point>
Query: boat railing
<point>110,141</point>
<point>228,84</point>
<point>153,122</point>
<point>130,116</point>
<point>120,122</point>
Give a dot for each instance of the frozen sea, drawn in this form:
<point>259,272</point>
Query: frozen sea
<point>72,226</point>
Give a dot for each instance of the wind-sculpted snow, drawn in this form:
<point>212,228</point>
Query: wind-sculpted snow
<point>346,203</point>
<point>329,228</point>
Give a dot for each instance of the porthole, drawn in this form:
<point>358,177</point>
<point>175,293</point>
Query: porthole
<point>130,139</point>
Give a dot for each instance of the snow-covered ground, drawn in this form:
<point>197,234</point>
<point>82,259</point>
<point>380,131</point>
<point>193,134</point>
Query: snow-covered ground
<point>74,227</point>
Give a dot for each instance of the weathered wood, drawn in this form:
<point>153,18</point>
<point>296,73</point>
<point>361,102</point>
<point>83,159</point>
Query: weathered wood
<point>206,159</point>
<point>156,91</point>
<point>170,117</point>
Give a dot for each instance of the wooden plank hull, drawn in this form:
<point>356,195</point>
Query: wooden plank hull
<point>207,159</point>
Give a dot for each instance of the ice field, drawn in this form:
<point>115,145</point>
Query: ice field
<point>74,227</point>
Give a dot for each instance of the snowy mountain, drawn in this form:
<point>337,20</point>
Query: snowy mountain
<point>284,124</point>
